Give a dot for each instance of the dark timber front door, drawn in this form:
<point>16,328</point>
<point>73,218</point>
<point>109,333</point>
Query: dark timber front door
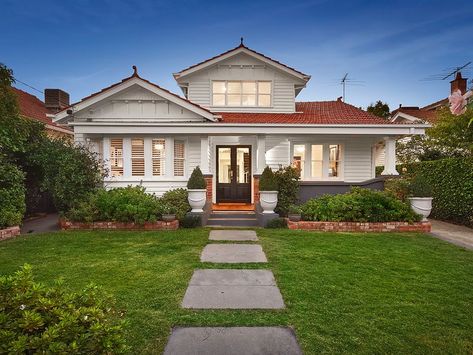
<point>234,174</point>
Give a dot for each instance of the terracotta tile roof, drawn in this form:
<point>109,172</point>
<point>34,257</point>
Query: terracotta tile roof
<point>436,104</point>
<point>314,112</point>
<point>32,107</point>
<point>420,113</point>
<point>249,49</point>
<point>135,75</point>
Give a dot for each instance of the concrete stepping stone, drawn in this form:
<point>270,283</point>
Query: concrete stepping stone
<point>233,289</point>
<point>233,253</point>
<point>232,341</point>
<point>233,235</point>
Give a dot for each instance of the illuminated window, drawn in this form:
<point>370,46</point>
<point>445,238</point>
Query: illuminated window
<point>179,158</point>
<point>241,93</point>
<point>116,157</point>
<point>334,161</point>
<point>325,161</point>
<point>317,161</point>
<point>299,158</point>
<point>158,156</point>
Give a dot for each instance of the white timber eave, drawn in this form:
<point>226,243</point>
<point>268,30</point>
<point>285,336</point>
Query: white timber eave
<point>405,116</point>
<point>64,116</point>
<point>242,129</point>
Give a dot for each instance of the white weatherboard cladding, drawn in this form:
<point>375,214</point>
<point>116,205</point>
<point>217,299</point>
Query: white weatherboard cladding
<point>243,67</point>
<point>137,103</point>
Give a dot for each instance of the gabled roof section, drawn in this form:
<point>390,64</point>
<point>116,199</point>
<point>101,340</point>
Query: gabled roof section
<point>414,114</point>
<point>312,112</point>
<point>241,49</point>
<point>127,82</point>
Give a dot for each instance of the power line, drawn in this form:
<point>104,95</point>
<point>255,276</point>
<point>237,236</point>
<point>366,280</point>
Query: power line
<point>31,87</point>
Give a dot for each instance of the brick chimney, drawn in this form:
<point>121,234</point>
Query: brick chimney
<point>56,99</point>
<point>458,83</point>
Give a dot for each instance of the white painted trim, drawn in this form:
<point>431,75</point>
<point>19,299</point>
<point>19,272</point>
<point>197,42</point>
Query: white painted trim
<point>408,117</point>
<point>178,76</point>
<point>62,115</point>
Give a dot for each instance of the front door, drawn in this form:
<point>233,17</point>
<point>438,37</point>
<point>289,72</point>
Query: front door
<point>234,174</point>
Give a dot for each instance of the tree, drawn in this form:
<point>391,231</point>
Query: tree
<point>379,109</point>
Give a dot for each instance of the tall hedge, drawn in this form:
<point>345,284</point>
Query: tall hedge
<point>451,181</point>
<point>12,195</point>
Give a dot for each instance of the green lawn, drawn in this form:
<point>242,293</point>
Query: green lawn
<point>345,293</point>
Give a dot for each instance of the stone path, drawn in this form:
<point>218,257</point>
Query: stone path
<point>232,289</point>
<point>459,235</point>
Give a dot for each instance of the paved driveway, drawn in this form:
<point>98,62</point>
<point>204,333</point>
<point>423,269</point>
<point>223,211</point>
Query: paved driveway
<point>459,235</point>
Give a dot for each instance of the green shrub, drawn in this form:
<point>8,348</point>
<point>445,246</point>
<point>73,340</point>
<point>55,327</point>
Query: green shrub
<point>419,187</point>
<point>267,181</point>
<point>177,198</point>
<point>196,181</point>
<point>12,195</point>
<point>50,320</point>
<point>124,204</point>
<point>451,181</point>
<point>398,187</point>
<point>358,205</point>
<point>294,209</point>
<point>190,221</point>
<point>277,223</point>
<point>287,180</point>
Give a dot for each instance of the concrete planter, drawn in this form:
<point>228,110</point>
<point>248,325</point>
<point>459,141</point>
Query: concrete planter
<point>422,206</point>
<point>169,217</point>
<point>268,201</point>
<point>196,198</point>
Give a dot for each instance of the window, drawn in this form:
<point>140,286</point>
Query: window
<point>116,157</point>
<point>334,161</point>
<point>299,158</point>
<point>317,161</point>
<point>179,158</point>
<point>325,161</point>
<point>137,157</point>
<point>158,156</point>
<point>241,93</point>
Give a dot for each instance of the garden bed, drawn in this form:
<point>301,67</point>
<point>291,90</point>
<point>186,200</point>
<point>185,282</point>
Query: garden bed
<point>111,225</point>
<point>423,227</point>
<point>9,232</point>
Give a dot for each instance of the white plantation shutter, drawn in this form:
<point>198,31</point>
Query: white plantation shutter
<point>179,158</point>
<point>158,156</point>
<point>137,157</point>
<point>116,157</point>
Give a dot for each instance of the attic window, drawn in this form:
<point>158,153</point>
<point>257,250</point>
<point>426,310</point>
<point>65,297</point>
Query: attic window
<point>241,93</point>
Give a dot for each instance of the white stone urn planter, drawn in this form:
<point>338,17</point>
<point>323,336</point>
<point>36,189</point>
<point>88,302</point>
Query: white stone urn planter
<point>268,201</point>
<point>422,206</point>
<point>196,198</point>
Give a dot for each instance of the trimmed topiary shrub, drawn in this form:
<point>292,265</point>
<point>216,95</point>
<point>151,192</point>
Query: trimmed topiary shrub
<point>277,223</point>
<point>287,180</point>
<point>177,198</point>
<point>51,320</point>
<point>267,181</point>
<point>196,181</point>
<point>358,205</point>
<point>12,195</point>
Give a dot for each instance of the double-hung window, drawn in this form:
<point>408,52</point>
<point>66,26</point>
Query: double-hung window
<point>317,161</point>
<point>241,93</point>
<point>158,156</point>
<point>116,157</point>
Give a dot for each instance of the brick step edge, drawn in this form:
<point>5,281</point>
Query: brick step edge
<point>10,232</point>
<point>110,225</point>
<point>422,227</point>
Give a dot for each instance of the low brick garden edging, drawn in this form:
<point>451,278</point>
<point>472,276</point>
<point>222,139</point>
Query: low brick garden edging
<point>9,232</point>
<point>423,227</point>
<point>158,225</point>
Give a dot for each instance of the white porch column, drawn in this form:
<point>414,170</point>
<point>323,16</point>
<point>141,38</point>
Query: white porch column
<point>389,156</point>
<point>260,154</point>
<point>204,155</point>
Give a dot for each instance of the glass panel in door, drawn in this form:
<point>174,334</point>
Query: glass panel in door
<point>224,165</point>
<point>243,165</point>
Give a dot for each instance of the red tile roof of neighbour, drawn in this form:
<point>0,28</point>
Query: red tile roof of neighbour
<point>32,107</point>
<point>315,112</point>
<point>429,115</point>
<point>249,49</point>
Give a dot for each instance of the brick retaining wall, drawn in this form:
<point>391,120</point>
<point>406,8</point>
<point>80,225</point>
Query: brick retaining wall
<point>159,225</point>
<point>423,227</point>
<point>9,232</point>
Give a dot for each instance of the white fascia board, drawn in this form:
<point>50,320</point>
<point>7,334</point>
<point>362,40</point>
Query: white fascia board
<point>238,129</point>
<point>208,63</point>
<point>126,84</point>
<point>407,117</point>
<point>59,129</point>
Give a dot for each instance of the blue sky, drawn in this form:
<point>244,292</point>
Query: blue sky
<point>82,46</point>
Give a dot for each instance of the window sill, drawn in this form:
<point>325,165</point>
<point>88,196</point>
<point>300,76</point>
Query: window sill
<point>146,179</point>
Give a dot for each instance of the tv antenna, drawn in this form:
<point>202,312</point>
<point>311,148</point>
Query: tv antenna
<point>348,81</point>
<point>447,73</point>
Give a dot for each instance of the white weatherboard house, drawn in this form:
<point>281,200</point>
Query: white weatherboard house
<point>239,114</point>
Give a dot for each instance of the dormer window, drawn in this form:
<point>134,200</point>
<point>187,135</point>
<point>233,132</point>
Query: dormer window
<point>241,93</point>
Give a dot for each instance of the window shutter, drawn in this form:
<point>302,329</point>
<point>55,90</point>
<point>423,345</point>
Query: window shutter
<point>179,158</point>
<point>116,157</point>
<point>158,156</point>
<point>137,157</point>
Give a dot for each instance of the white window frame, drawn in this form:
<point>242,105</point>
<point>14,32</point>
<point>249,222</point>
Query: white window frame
<point>184,141</point>
<point>241,93</point>
<point>306,175</point>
